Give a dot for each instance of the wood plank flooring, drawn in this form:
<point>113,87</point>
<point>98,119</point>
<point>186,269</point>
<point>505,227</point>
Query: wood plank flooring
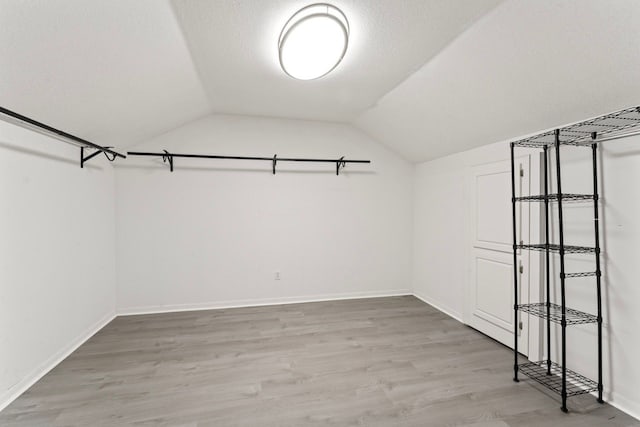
<point>375,362</point>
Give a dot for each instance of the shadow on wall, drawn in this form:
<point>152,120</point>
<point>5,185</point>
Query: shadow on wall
<point>604,210</point>
<point>606,321</point>
<point>9,146</point>
<point>232,169</point>
<point>160,165</point>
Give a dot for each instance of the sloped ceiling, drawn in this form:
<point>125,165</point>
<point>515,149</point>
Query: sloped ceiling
<point>425,77</point>
<point>524,67</point>
<point>114,72</point>
<point>120,71</point>
<point>234,48</point>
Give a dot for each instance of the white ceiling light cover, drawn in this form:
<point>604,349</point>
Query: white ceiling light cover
<point>313,41</point>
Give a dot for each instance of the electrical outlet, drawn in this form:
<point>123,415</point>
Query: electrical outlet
<point>276,275</point>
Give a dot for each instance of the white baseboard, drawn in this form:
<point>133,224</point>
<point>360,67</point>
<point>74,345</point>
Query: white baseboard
<point>259,302</point>
<point>23,385</point>
<point>614,399</point>
<point>443,308</point>
<point>624,404</point>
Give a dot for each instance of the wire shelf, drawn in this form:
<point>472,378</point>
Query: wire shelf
<point>556,248</point>
<point>583,274</point>
<point>554,198</point>
<point>576,383</point>
<point>554,313</point>
<point>579,134</point>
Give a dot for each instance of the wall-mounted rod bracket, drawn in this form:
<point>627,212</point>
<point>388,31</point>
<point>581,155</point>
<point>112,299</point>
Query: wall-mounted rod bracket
<point>84,159</point>
<point>340,163</point>
<point>83,143</point>
<point>168,157</point>
<point>275,159</point>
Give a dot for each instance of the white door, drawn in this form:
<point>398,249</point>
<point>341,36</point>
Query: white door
<point>491,292</point>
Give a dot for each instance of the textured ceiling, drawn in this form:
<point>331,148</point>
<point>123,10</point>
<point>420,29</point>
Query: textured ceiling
<point>234,47</point>
<point>524,67</point>
<point>120,71</point>
<point>113,71</point>
<point>425,77</point>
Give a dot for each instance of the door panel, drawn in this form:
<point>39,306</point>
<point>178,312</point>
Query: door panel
<point>491,293</point>
<point>493,210</point>
<point>493,300</point>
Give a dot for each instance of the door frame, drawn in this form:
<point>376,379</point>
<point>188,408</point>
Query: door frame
<point>534,287</point>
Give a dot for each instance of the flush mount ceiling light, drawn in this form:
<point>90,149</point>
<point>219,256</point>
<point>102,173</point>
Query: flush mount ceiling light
<point>313,41</point>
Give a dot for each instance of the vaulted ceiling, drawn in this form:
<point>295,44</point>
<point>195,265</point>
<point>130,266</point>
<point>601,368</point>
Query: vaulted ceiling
<point>121,71</point>
<point>425,77</point>
<point>234,49</point>
<point>526,66</point>
<point>114,71</point>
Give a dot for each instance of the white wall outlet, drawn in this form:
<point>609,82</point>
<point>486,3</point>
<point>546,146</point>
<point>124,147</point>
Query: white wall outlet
<point>276,275</point>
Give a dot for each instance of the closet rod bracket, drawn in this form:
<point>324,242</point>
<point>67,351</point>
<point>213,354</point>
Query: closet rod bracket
<point>30,123</point>
<point>340,163</point>
<point>167,157</point>
<point>84,159</point>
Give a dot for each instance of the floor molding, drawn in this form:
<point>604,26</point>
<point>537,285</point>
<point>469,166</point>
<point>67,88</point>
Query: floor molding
<point>439,306</point>
<point>614,399</point>
<point>18,389</point>
<point>624,404</point>
<point>34,376</point>
<point>260,302</point>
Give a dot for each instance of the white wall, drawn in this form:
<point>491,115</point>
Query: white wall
<point>213,233</point>
<point>441,266</point>
<point>57,254</point>
<point>523,66</point>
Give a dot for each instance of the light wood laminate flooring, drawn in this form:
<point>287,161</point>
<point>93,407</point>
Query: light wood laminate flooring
<point>377,362</point>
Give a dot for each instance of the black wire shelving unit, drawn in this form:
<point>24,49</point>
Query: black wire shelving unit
<point>556,376</point>
<point>575,384</point>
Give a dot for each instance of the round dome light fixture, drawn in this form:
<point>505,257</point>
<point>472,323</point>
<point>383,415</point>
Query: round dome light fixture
<point>313,41</point>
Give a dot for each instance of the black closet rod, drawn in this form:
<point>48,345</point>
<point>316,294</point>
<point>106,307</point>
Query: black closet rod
<point>166,156</point>
<point>59,132</point>
<point>208,156</point>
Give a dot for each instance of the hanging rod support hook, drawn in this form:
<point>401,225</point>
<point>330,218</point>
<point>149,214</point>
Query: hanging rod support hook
<point>106,154</point>
<point>275,159</point>
<point>84,159</point>
<point>340,163</point>
<point>168,157</point>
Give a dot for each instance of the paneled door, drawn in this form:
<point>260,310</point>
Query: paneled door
<point>490,295</point>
